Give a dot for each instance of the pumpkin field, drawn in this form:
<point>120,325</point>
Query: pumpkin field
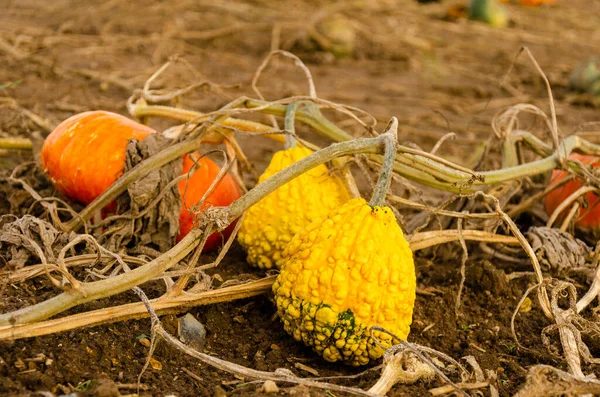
<point>303,198</point>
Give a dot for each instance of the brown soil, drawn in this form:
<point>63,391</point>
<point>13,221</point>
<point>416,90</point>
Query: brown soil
<point>436,76</point>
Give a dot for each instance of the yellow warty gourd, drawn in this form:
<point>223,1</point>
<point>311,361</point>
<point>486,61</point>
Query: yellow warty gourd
<point>269,225</point>
<point>343,274</point>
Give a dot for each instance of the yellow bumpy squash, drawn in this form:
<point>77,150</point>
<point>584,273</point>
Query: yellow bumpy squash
<point>269,225</point>
<point>343,274</point>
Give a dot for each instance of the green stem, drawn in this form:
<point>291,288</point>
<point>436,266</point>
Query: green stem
<point>142,111</point>
<point>290,115</point>
<point>538,146</point>
<point>533,168</point>
<point>385,178</point>
<point>509,152</point>
<point>310,116</point>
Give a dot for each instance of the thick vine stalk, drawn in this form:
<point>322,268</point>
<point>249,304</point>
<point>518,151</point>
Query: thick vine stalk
<point>136,310</point>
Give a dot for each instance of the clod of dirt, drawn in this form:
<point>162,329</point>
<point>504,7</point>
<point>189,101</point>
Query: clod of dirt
<point>103,388</point>
<point>487,277</point>
<point>155,223</point>
<point>558,252</point>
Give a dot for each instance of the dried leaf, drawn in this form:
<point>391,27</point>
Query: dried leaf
<point>558,251</point>
<point>159,223</point>
<point>28,237</point>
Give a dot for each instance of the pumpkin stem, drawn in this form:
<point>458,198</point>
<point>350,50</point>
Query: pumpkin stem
<point>389,157</point>
<point>290,116</point>
<point>510,157</point>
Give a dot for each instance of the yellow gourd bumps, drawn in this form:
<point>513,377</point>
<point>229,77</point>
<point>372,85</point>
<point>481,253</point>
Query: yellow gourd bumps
<point>343,274</point>
<point>269,225</point>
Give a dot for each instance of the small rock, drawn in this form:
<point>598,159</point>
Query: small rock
<point>239,319</point>
<point>270,387</point>
<point>191,332</point>
<point>274,347</point>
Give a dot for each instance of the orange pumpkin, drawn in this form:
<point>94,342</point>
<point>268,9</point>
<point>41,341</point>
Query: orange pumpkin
<point>85,154</point>
<point>588,217</point>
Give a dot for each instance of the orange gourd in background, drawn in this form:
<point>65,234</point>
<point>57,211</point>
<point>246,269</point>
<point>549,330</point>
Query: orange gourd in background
<point>588,217</point>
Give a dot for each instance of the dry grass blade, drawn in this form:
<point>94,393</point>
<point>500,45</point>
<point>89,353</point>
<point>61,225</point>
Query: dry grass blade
<point>25,273</point>
<point>595,287</point>
<point>448,389</point>
<point>463,266</point>
<point>15,143</point>
<point>423,240</point>
<point>297,61</point>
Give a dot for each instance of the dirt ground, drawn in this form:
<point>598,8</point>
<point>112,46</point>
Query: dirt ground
<point>436,76</point>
